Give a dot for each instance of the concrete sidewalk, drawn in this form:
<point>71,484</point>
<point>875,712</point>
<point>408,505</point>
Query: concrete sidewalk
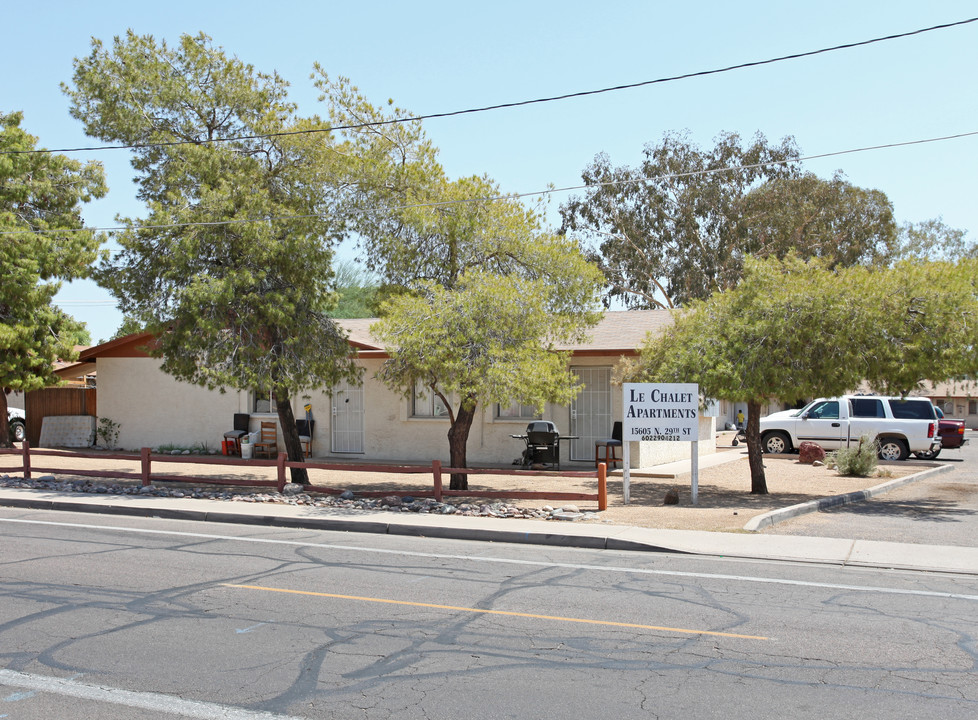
<point>858,553</point>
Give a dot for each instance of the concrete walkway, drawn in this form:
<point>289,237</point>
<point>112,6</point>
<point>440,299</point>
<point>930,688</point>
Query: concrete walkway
<point>858,553</point>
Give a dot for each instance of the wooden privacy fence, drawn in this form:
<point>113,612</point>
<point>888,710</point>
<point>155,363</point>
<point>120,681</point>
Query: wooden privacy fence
<point>147,460</point>
<point>55,401</point>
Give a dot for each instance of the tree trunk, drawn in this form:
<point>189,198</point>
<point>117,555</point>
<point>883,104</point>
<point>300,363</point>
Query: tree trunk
<point>758,483</point>
<point>5,441</point>
<point>458,437</point>
<point>290,434</point>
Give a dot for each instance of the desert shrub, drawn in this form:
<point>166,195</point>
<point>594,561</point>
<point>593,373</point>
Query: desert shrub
<point>859,461</point>
<point>107,432</point>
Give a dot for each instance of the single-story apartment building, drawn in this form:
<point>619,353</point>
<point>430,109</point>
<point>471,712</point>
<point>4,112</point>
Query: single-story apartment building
<point>369,421</point>
<point>958,400</point>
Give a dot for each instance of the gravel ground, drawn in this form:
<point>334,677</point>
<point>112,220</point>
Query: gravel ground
<point>725,502</point>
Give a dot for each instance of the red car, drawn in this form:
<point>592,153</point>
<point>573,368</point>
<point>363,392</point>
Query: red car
<point>952,436</point>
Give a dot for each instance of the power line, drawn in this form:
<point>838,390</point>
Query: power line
<point>516,196</point>
<point>502,106</point>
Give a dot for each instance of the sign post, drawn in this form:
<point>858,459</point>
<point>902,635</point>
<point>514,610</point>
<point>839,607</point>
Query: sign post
<point>661,412</point>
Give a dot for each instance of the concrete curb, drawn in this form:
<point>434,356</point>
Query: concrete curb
<point>536,536</point>
<point>775,516</point>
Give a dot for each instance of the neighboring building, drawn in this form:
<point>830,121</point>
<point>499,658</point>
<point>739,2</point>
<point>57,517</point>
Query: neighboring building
<point>958,400</point>
<point>72,374</point>
<point>370,421</point>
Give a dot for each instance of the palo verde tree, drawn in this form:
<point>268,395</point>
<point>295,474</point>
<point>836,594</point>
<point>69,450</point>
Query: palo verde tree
<point>42,242</point>
<point>789,330</point>
<point>926,322</point>
<point>490,338</point>
<point>478,292</point>
<point>793,329</point>
<point>486,297</point>
<point>231,265</point>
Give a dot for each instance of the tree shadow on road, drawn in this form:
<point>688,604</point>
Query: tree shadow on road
<point>930,510</point>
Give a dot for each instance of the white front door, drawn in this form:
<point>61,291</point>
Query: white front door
<point>590,411</point>
<point>346,428</point>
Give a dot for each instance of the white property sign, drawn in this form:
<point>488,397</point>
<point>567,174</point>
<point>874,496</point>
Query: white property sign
<point>661,412</point>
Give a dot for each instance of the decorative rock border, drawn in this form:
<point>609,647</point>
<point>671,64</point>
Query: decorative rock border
<point>293,495</point>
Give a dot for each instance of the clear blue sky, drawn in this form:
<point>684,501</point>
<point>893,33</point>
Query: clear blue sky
<point>442,56</point>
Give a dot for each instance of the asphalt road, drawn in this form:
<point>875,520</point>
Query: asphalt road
<point>939,510</point>
<point>115,617</point>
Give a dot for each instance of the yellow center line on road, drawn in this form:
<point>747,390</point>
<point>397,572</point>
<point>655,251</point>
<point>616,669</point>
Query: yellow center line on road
<point>685,631</point>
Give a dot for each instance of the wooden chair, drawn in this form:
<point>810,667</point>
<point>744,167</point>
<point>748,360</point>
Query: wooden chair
<point>267,445</point>
<point>610,447</point>
<point>305,428</point>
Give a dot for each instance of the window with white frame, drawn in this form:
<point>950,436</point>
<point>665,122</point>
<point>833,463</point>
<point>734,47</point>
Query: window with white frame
<point>262,401</point>
<point>424,402</point>
<point>517,411</point>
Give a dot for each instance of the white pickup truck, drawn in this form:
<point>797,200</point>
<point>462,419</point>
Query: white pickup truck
<point>900,425</point>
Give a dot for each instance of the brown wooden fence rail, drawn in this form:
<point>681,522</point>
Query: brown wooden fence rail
<point>281,463</point>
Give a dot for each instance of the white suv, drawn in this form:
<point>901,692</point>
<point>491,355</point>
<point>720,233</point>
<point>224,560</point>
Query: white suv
<point>18,424</point>
<point>899,425</point>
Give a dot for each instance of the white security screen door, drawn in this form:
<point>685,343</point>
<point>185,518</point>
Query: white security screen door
<point>591,411</point>
<point>347,418</point>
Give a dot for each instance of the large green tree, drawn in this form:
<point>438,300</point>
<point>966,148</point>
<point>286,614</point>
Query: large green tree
<point>231,264</point>
<point>934,240</point>
<point>666,232</point>
<point>793,329</point>
<point>477,260</point>
<point>926,324</point>
<point>42,242</point>
<point>815,218</point>
<point>357,291</point>
<point>489,338</point>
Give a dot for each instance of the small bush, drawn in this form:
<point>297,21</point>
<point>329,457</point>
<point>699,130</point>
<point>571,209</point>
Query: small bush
<point>200,448</point>
<point>859,461</point>
<point>107,432</point>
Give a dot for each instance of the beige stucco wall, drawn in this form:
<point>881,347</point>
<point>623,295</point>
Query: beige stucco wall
<point>391,434</point>
<point>153,409</point>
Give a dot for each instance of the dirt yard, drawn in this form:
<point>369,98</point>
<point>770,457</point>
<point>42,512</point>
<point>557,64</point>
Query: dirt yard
<point>725,502</point>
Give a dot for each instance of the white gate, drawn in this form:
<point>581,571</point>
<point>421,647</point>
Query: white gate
<point>591,411</point>
<point>346,428</point>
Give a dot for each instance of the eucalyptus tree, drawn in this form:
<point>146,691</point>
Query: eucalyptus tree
<point>816,218</point>
<point>934,240</point>
<point>666,232</point>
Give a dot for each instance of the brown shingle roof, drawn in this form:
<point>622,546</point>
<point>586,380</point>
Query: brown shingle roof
<point>619,331</point>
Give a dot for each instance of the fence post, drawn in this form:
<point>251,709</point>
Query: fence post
<point>27,460</point>
<point>144,465</point>
<point>281,471</point>
<point>602,486</point>
<point>436,472</point>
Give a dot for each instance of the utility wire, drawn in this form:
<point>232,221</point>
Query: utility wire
<point>515,196</point>
<point>502,106</point>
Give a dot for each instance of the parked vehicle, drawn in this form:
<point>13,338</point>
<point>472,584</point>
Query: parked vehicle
<point>900,426</point>
<point>952,436</point>
<point>18,424</point>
